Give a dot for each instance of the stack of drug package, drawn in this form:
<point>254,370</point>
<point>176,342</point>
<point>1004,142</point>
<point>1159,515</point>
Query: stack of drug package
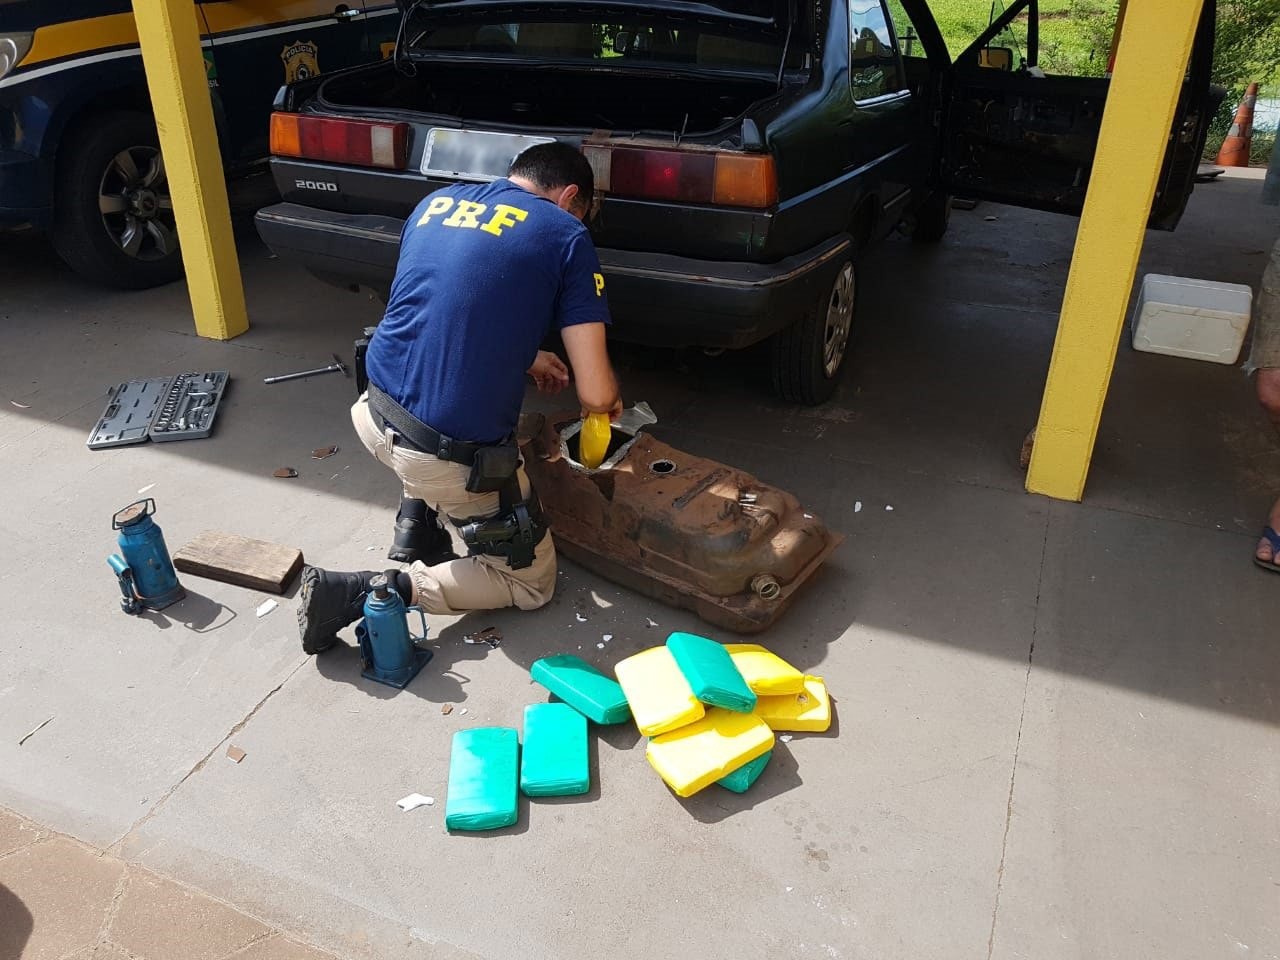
<point>710,712</point>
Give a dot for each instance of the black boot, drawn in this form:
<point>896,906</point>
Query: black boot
<point>419,536</point>
<point>328,602</point>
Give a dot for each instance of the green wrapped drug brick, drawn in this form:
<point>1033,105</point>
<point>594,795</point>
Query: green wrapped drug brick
<point>740,780</point>
<point>583,687</point>
<point>711,672</point>
<point>482,779</point>
<point>553,757</point>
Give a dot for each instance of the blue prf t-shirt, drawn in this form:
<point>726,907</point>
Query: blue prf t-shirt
<point>486,272</point>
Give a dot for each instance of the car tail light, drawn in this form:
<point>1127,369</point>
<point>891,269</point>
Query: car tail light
<point>367,143</point>
<point>692,176</point>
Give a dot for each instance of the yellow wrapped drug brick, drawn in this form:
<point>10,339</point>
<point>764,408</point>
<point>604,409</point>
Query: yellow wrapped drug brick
<point>698,755</point>
<point>657,691</point>
<point>766,673</point>
<point>808,711</point>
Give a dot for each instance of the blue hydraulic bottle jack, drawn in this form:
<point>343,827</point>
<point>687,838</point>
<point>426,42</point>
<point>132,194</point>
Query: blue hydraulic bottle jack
<point>390,653</point>
<point>146,575</point>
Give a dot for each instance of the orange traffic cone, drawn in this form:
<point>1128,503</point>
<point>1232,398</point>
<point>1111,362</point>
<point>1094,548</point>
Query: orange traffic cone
<point>1235,149</point>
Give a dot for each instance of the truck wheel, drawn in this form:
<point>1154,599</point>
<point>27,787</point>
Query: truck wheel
<point>932,218</point>
<point>113,216</point>
<point>808,356</point>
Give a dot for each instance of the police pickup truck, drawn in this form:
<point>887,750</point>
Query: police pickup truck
<point>746,152</point>
<point>79,155</point>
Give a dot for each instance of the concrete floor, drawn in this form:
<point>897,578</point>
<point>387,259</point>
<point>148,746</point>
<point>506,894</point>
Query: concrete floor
<point>1057,724</point>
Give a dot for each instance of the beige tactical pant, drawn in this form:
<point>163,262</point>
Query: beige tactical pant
<point>470,583</point>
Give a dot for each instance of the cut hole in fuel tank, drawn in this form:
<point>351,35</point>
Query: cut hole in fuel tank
<point>623,433</point>
<point>617,441</point>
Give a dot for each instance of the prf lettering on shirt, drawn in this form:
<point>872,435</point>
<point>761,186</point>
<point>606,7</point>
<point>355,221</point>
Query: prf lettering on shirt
<point>467,214</point>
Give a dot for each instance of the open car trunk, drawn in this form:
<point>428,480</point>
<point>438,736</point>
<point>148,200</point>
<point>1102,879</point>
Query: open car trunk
<point>567,98</point>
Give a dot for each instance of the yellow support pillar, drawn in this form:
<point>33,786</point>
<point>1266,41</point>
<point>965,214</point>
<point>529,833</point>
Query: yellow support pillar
<point>1151,60</point>
<point>169,35</point>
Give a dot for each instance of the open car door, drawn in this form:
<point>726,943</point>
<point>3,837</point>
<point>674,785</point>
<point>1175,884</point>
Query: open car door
<point>1014,135</point>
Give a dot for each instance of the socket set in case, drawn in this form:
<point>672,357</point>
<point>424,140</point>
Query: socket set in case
<point>161,409</point>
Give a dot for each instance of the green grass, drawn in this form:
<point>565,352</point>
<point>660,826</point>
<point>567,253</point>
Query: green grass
<point>1074,34</point>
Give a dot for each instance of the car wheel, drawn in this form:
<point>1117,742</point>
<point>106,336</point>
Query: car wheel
<point>809,356</point>
<point>933,218</point>
<point>113,215</point>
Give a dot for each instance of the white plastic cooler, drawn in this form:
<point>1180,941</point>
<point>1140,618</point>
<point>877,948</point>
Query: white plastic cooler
<point>1197,319</point>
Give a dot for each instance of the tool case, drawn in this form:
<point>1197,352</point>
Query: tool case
<point>161,409</point>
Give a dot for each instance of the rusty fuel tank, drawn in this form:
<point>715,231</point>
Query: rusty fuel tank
<point>685,530</point>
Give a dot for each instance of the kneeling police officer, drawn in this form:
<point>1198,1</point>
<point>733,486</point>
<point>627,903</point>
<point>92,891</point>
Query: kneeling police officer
<point>486,273</point>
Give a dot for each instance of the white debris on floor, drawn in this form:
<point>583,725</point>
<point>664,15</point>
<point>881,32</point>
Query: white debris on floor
<point>415,800</point>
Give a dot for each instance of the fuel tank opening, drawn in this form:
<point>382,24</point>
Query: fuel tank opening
<point>766,587</point>
<point>624,432</point>
<point>662,467</point>
<point>617,441</point>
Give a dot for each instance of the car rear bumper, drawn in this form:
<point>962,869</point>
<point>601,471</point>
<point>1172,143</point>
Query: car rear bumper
<point>654,298</point>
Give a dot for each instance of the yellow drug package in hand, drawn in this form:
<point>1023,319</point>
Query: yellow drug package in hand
<point>594,443</point>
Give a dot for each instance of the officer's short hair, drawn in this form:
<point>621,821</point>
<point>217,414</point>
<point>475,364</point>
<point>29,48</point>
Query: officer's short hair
<point>551,166</point>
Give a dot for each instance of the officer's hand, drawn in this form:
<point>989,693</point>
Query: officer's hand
<point>614,412</point>
<point>549,372</point>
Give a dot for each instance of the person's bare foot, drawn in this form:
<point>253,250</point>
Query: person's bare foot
<point>1265,552</point>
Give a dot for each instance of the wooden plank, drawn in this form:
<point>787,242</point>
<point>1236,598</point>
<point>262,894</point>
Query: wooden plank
<point>238,560</point>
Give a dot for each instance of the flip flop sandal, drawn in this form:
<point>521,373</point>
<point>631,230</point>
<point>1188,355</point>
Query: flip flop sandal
<point>1272,538</point>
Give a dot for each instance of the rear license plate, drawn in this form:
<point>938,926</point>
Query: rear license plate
<point>473,154</point>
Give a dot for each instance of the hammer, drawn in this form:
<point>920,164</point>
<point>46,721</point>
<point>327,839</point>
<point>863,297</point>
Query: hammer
<point>336,367</point>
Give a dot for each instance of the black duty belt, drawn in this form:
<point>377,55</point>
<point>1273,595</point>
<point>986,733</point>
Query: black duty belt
<point>417,434</point>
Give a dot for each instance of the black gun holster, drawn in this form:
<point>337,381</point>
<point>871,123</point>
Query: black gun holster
<point>514,532</point>
<point>519,526</point>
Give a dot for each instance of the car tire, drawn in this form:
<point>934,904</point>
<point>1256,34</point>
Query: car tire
<point>809,356</point>
<point>933,218</point>
<point>113,215</point>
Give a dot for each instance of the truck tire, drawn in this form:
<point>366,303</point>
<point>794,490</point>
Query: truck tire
<point>809,356</point>
<point>933,218</point>
<point>113,216</point>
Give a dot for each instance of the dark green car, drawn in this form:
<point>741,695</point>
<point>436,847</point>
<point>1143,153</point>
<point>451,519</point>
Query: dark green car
<point>746,152</point>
